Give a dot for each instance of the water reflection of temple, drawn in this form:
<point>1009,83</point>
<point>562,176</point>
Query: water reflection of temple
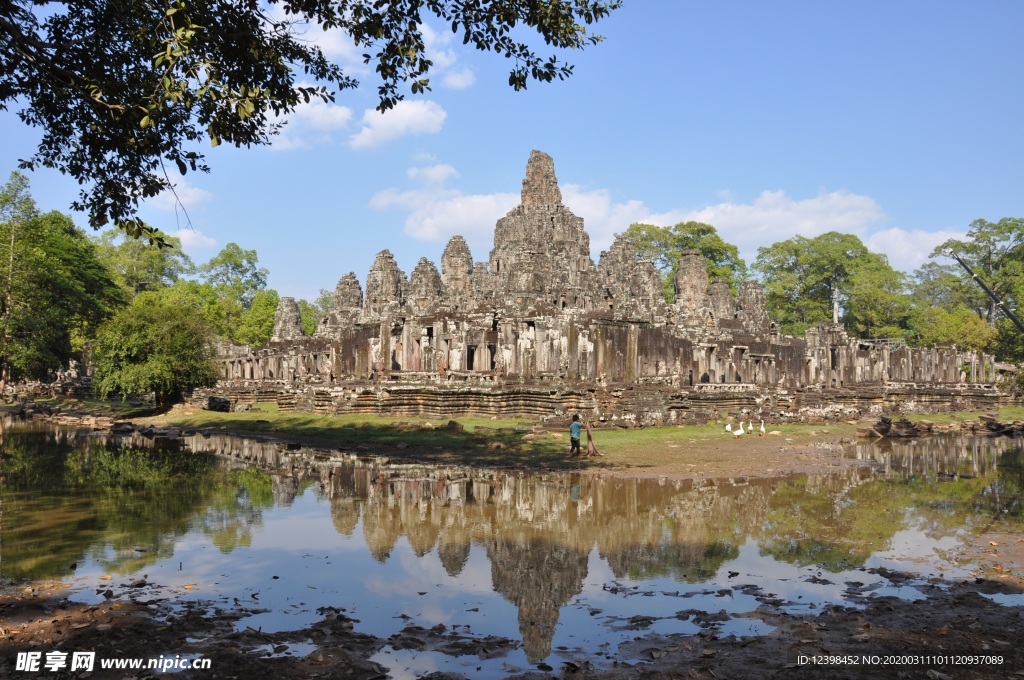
<point>539,530</point>
<point>943,454</point>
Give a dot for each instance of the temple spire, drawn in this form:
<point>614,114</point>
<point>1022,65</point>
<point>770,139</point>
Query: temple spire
<point>541,186</point>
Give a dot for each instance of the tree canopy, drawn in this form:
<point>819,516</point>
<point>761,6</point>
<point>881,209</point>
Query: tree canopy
<point>54,288</point>
<point>154,345</point>
<point>124,90</point>
<point>256,326</point>
<point>235,273</point>
<point>137,267</point>
<point>664,245</point>
<point>804,277</point>
<point>995,251</point>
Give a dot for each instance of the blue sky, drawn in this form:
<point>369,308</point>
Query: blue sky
<point>900,122</point>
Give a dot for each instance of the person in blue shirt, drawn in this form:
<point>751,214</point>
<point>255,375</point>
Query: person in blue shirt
<point>574,436</point>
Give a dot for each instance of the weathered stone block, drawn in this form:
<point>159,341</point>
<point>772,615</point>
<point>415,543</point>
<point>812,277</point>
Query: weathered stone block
<point>219,404</point>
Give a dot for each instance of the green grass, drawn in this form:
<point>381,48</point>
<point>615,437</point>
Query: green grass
<point>483,441</point>
<point>493,443</point>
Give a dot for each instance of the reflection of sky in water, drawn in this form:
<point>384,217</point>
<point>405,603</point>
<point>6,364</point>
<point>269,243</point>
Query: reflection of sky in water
<point>316,566</point>
<point>912,550</point>
<point>1005,599</point>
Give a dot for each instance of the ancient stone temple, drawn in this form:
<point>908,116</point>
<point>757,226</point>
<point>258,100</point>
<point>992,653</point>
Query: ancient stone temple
<point>538,328</point>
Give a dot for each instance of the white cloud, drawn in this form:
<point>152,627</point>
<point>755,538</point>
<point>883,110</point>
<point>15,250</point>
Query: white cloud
<point>194,241</point>
<point>184,195</point>
<point>337,45</point>
<point>438,47</point>
<point>441,50</point>
<point>603,218</point>
<point>459,79</point>
<point>321,115</point>
<point>773,212</point>
<point>774,216</point>
<point>437,212</point>
<point>432,174</point>
<point>906,249</point>
<point>414,117</point>
<point>312,123</point>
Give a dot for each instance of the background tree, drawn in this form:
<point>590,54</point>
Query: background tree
<point>219,313</point>
<point>114,111</point>
<point>877,302</point>
<point>959,325</point>
<point>153,345</point>
<point>949,308</point>
<point>995,251</point>
<point>664,245</point>
<point>804,277</point>
<point>55,289</point>
<point>312,312</point>
<point>235,274</point>
<point>944,284</point>
<point>137,267</point>
<point>257,324</point>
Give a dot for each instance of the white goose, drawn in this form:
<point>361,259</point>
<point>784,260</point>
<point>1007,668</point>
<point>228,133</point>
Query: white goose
<point>739,431</point>
<point>761,433</point>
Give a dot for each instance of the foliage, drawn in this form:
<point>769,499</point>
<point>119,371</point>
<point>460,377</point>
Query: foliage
<point>312,312</point>
<point>113,111</point>
<point>937,284</point>
<point>55,290</point>
<point>664,245</point>
<point>220,314</point>
<point>137,267</point>
<point>256,326</point>
<point>235,274</point>
<point>1008,344</point>
<point>995,251</point>
<point>1012,382</point>
<point>878,305</point>
<point>935,325</point>
<point>153,345</point>
<point>803,277</point>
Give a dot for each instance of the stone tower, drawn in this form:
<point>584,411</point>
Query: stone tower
<point>457,274</point>
<point>287,320</point>
<point>630,286</point>
<point>541,255</point>
<point>386,288</point>
<point>348,304</point>
<point>425,288</point>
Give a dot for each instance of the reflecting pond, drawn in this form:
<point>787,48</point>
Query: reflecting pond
<point>560,564</point>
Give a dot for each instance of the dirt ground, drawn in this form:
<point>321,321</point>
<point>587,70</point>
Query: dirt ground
<point>956,631</point>
<point>770,456</point>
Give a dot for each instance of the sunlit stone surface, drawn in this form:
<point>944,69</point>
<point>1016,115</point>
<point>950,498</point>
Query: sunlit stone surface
<point>539,329</point>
